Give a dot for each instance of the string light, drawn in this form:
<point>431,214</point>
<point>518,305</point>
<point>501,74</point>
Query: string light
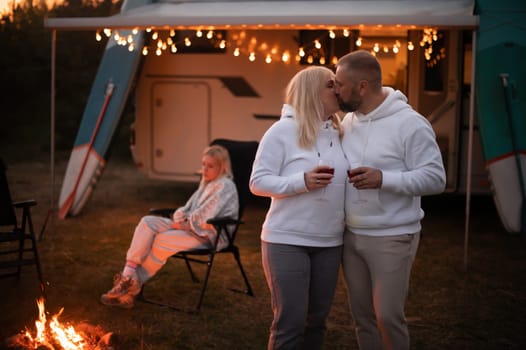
<point>359,41</point>
<point>315,52</point>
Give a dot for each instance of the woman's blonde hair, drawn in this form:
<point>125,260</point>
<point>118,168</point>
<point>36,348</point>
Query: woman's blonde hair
<point>304,94</point>
<point>220,154</point>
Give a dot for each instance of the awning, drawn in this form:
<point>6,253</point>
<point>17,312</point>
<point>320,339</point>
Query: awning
<point>282,15</point>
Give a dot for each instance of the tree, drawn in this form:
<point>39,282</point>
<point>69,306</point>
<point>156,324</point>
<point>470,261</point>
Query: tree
<point>25,73</point>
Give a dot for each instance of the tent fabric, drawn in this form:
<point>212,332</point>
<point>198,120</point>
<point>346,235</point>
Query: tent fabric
<point>282,15</point>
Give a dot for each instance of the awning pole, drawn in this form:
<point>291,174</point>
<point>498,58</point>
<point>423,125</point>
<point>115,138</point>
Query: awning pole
<point>51,211</point>
<point>470,146</point>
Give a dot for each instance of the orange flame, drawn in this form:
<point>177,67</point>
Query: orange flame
<point>54,332</point>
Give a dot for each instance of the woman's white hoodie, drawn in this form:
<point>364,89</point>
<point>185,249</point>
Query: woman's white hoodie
<point>297,216</point>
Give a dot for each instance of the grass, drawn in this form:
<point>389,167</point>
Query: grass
<point>447,308</point>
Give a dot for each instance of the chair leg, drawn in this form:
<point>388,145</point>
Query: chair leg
<point>245,278</point>
<point>20,257</point>
<point>26,217</point>
<point>205,282</point>
<point>192,274</point>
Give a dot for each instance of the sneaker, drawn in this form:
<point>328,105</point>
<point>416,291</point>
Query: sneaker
<point>125,301</point>
<point>122,286</point>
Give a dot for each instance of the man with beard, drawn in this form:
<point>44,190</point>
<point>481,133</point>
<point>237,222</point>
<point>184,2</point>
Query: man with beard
<point>394,160</point>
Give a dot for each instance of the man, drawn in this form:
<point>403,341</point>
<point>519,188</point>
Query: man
<point>394,160</point>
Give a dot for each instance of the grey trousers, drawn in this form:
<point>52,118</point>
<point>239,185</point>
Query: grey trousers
<point>377,271</point>
<point>302,282</point>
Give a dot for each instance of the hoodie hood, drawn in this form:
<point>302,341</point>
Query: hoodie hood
<point>288,111</point>
<point>393,103</point>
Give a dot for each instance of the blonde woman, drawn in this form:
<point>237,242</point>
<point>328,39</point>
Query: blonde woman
<point>157,238</point>
<point>301,166</point>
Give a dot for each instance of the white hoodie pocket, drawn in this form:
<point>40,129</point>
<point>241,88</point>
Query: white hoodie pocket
<point>365,202</point>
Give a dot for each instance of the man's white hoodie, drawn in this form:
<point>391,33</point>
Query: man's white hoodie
<point>297,216</point>
<point>402,144</point>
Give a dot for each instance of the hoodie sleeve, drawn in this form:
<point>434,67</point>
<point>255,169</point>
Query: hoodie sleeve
<point>180,216</point>
<point>266,178</point>
<point>424,174</point>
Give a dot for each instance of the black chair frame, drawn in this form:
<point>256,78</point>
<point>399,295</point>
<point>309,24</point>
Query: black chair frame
<point>16,234</point>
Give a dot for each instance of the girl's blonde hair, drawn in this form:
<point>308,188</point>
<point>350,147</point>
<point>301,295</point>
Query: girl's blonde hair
<point>304,94</point>
<point>220,154</point>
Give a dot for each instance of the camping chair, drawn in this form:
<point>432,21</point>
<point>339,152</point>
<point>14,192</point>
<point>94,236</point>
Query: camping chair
<point>242,155</point>
<point>14,253</point>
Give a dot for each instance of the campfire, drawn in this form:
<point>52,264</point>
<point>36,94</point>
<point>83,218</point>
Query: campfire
<point>54,335</point>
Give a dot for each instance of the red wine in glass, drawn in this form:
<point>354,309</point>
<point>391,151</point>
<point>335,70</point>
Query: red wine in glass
<point>326,171</point>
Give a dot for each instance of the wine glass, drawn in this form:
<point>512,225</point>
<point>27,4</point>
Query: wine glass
<point>328,169</point>
<point>358,198</point>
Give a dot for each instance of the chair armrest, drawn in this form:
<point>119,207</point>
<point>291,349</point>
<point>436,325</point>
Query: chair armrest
<point>223,221</point>
<point>166,212</point>
<point>25,204</point>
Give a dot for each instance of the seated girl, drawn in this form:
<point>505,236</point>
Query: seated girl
<point>157,238</point>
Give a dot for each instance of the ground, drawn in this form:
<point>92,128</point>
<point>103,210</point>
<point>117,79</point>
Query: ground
<point>453,303</point>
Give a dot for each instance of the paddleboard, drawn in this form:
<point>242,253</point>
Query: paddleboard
<point>501,105</point>
<point>101,116</point>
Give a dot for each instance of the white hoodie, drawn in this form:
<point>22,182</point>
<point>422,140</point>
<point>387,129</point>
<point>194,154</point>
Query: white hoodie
<point>401,143</point>
<point>297,216</point>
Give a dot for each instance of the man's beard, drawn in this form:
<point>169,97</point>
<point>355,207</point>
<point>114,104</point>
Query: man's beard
<point>348,106</point>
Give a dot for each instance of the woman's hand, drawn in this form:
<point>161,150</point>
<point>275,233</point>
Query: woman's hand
<point>318,177</point>
<point>181,225</point>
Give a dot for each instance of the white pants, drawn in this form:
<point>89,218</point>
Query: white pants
<point>377,271</point>
<point>154,241</point>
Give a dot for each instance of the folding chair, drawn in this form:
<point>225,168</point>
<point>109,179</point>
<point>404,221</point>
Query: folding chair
<point>14,253</point>
<point>242,155</point>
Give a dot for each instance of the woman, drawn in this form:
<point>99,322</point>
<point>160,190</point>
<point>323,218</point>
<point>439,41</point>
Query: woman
<point>157,238</point>
<point>302,234</point>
